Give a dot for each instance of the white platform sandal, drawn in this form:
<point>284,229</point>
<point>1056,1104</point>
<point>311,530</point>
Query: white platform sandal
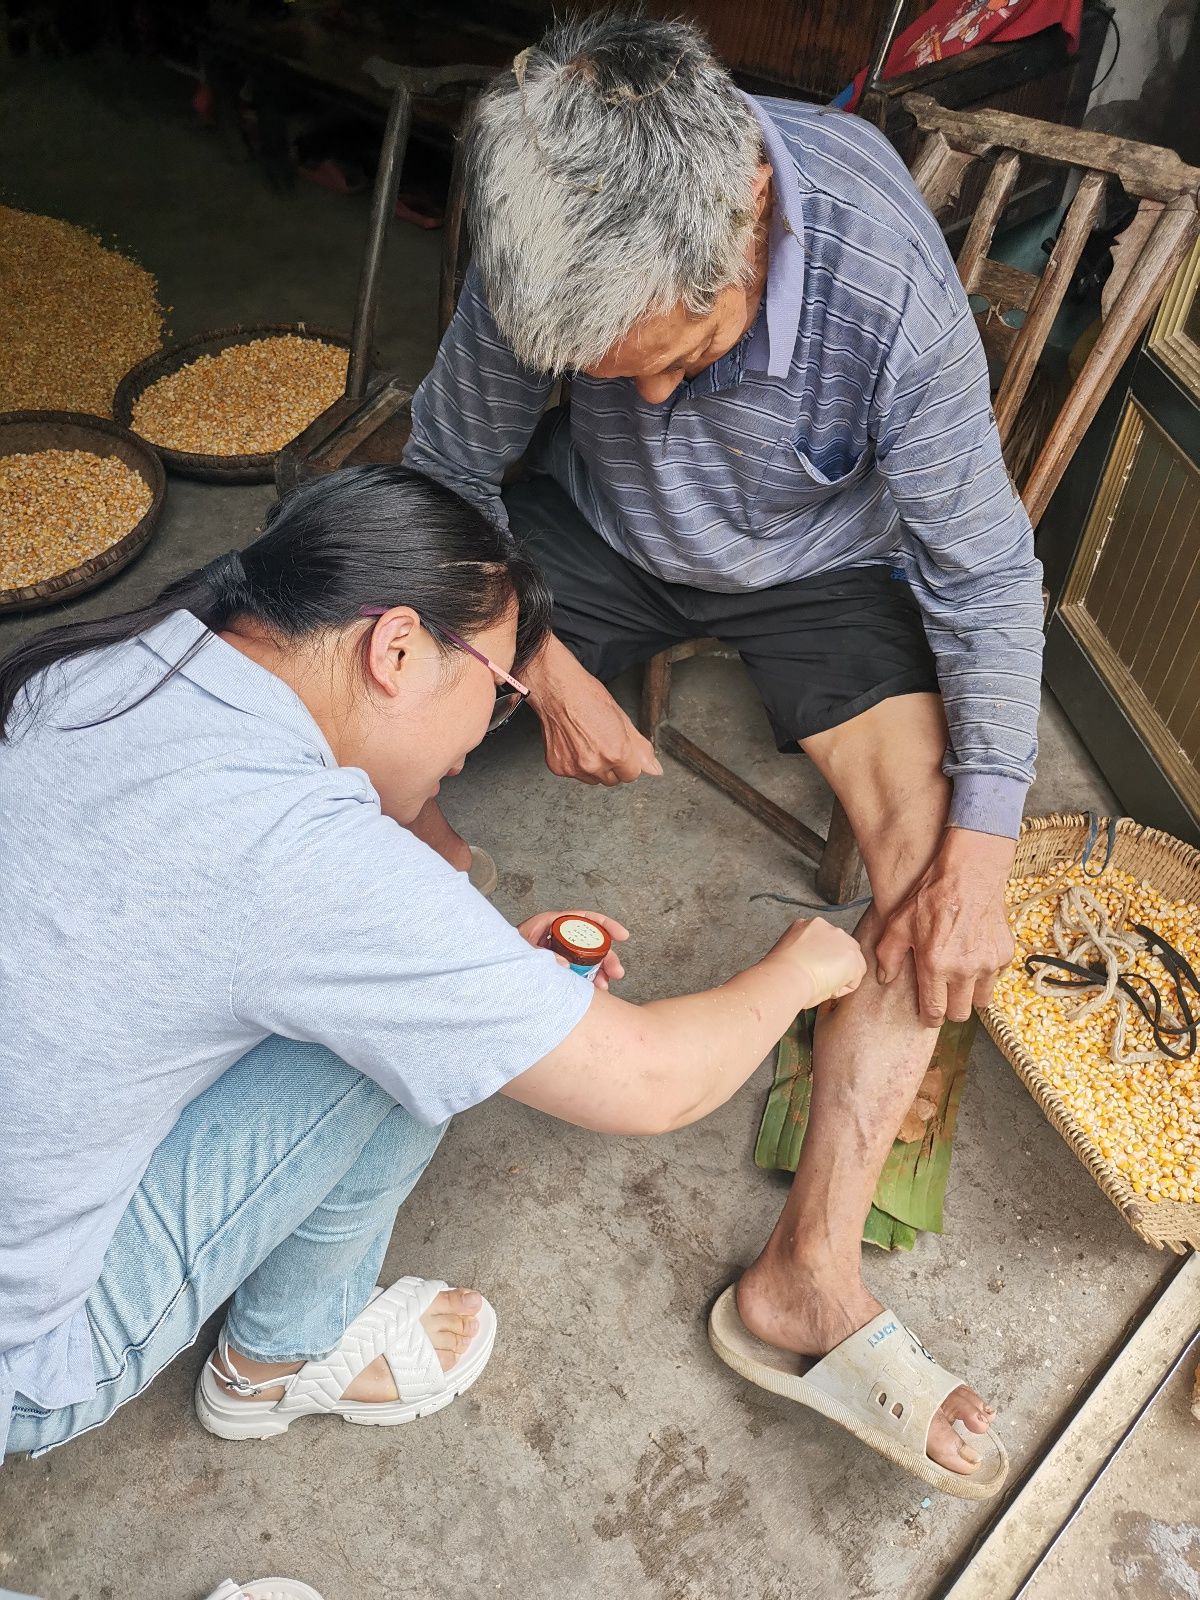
<point>389,1325</point>
<point>265,1589</point>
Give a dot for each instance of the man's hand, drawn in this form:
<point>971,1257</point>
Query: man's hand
<point>536,928</point>
<point>586,733</point>
<point>956,926</point>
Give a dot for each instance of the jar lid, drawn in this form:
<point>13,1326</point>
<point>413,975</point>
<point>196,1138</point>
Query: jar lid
<point>579,939</point>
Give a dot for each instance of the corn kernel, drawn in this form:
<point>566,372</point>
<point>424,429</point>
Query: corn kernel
<point>1143,1118</point>
<point>251,399</point>
<point>60,508</point>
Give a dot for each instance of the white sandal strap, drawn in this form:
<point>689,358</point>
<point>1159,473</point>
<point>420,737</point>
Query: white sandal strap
<point>268,1588</point>
<point>888,1377</point>
<point>231,1378</point>
<point>389,1325</point>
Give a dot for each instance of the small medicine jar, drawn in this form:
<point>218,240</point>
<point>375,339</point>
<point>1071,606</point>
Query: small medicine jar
<point>581,942</point>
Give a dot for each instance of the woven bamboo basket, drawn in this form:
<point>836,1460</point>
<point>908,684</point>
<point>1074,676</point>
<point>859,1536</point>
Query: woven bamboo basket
<point>162,363</point>
<point>30,431</point>
<point>1174,869</point>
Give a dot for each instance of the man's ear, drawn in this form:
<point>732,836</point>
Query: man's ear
<point>760,189</point>
<point>388,648</point>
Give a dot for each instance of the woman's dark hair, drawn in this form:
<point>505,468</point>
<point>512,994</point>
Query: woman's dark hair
<point>364,536</point>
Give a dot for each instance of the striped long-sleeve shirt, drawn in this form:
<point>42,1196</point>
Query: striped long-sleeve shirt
<point>850,426</point>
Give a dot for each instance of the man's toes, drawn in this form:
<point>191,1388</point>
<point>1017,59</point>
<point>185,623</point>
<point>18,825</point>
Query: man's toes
<point>949,1450</point>
<point>965,1406</point>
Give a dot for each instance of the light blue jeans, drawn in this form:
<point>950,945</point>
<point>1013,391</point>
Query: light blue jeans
<point>279,1186</point>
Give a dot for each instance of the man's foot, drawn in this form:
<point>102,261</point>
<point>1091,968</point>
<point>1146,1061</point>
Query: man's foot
<point>450,1322</point>
<point>811,1317</point>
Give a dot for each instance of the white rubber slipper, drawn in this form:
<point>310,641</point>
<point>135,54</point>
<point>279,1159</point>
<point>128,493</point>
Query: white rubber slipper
<point>880,1384</point>
<point>265,1589</point>
<point>389,1325</point>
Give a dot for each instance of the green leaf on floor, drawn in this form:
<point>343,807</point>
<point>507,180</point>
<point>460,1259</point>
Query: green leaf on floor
<point>912,1185</point>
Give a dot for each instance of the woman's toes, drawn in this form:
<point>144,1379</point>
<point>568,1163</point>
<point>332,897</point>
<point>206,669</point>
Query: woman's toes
<point>949,1450</point>
<point>965,1406</point>
<point>464,1302</point>
<point>452,1324</point>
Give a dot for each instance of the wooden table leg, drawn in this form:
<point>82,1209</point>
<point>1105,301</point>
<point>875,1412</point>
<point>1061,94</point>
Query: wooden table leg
<point>656,693</point>
<point>841,875</point>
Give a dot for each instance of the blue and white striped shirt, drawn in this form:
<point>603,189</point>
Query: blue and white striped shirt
<point>850,426</point>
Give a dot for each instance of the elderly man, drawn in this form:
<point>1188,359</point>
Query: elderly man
<point>777,432</point>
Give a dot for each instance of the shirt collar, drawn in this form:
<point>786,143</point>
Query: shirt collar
<point>220,670</point>
<point>773,341</point>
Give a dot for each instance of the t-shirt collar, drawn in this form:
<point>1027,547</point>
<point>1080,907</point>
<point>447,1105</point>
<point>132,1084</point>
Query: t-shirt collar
<point>772,343</point>
<point>222,671</point>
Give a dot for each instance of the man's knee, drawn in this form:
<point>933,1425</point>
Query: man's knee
<point>885,767</point>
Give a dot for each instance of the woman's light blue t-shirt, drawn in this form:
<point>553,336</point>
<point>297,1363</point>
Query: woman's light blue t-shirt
<point>176,885</point>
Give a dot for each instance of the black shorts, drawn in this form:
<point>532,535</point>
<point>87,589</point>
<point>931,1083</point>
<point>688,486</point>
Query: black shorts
<point>820,651</point>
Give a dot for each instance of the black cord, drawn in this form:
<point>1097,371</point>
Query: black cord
<point>1112,22</point>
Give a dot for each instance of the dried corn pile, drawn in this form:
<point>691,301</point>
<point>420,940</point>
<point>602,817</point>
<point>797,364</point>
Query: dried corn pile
<point>251,399</point>
<point>1144,1117</point>
<point>75,316</point>
<point>59,508</point>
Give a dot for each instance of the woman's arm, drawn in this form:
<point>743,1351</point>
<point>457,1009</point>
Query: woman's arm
<point>651,1068</point>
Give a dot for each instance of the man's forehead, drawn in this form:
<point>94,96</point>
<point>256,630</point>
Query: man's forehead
<point>653,340</point>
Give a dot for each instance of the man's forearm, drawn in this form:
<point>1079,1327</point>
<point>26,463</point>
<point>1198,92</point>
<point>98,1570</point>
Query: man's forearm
<point>547,671</point>
<point>422,455</point>
<point>989,657</point>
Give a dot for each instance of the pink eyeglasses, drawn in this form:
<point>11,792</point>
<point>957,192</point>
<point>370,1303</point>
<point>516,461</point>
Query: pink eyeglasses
<point>507,700</point>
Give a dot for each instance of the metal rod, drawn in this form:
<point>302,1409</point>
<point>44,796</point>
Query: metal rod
<point>383,206</point>
<point>884,48</point>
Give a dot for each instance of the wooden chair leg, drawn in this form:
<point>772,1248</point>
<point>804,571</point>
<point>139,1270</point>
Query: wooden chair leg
<point>656,693</point>
<point>841,875</point>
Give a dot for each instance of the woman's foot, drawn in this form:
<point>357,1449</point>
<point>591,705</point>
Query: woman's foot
<point>450,1323</point>
<point>811,1314</point>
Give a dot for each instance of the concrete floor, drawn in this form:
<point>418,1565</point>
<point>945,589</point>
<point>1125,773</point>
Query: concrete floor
<point>605,1451</point>
<point>1138,1534</point>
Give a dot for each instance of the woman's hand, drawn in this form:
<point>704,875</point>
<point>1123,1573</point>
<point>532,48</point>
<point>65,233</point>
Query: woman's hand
<point>535,930</point>
<point>832,960</point>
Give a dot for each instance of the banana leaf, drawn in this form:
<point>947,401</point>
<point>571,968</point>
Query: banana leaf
<point>908,1198</point>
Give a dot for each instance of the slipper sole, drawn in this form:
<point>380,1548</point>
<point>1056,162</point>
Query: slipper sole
<point>779,1372</point>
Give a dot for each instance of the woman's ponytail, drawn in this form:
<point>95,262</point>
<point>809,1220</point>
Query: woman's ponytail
<point>364,536</point>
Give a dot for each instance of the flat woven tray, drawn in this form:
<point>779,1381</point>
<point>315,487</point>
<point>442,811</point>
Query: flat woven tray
<point>162,363</point>
<point>1174,869</point>
<point>26,432</point>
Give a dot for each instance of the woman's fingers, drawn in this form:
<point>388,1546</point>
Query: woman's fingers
<point>611,970</point>
<point>536,927</point>
<point>617,929</point>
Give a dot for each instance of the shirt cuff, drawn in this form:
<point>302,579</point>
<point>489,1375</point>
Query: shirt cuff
<point>988,802</point>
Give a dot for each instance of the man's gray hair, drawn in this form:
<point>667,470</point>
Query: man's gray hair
<point>610,173</point>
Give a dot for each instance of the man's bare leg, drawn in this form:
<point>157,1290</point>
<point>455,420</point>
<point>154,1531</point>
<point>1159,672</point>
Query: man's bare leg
<point>431,827</point>
<point>805,1292</point>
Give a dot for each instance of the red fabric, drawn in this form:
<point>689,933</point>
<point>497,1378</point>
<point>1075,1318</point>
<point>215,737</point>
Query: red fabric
<point>951,26</point>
